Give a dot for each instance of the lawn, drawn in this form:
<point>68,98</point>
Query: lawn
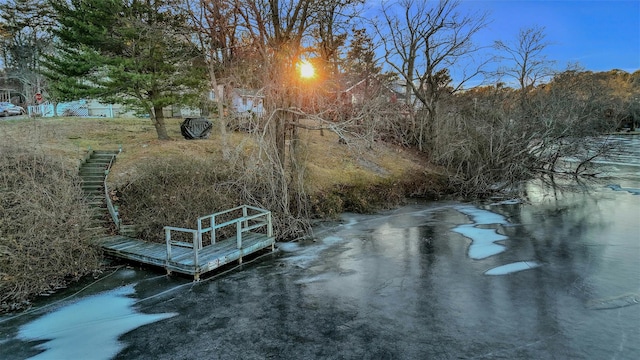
<point>328,161</point>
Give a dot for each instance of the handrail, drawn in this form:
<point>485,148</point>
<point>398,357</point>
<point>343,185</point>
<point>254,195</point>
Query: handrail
<point>242,226</point>
<point>194,245</point>
<point>112,210</point>
<point>245,217</point>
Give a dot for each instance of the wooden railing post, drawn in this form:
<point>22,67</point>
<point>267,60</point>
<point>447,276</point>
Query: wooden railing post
<point>213,229</point>
<point>239,234</point>
<point>199,233</point>
<point>244,215</point>
<point>195,249</point>
<point>167,238</point>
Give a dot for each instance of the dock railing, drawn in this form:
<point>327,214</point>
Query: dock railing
<point>250,218</point>
<point>113,211</point>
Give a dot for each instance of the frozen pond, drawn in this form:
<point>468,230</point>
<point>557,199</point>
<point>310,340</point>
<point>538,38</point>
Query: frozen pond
<point>95,321</point>
<point>556,277</point>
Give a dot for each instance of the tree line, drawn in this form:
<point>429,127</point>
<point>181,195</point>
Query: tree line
<point>384,78</point>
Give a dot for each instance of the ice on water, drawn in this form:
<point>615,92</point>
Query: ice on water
<point>616,187</point>
<point>89,328</point>
<point>483,240</point>
<point>512,268</point>
<point>303,256</point>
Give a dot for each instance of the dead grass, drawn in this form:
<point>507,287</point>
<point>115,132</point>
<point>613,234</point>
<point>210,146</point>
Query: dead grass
<point>169,183</point>
<point>336,172</point>
<point>329,162</point>
<point>332,163</point>
<point>45,226</point>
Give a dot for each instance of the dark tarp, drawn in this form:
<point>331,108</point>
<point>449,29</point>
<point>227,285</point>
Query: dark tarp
<point>196,128</point>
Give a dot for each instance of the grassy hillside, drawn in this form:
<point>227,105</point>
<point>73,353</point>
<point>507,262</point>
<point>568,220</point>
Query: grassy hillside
<point>45,229</point>
<point>330,164</point>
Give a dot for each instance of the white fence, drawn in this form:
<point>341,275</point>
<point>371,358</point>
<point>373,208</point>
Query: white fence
<point>75,108</point>
<point>92,108</point>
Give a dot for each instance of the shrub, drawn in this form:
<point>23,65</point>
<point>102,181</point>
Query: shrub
<point>175,191</point>
<point>45,227</point>
<point>374,196</point>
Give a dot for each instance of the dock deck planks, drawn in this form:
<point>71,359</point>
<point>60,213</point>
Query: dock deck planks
<point>210,257</point>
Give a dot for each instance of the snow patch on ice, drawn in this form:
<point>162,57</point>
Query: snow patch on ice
<point>482,239</point>
<point>331,240</point>
<point>616,302</point>
<point>512,268</point>
<point>288,246</point>
<point>89,328</point>
<point>616,187</point>
<point>507,202</point>
<point>313,279</point>
<point>482,217</point>
<point>350,222</point>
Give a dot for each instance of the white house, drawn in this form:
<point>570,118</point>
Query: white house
<point>244,103</point>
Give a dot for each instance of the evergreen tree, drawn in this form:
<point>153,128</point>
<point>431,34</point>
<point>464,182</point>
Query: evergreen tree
<point>361,57</point>
<point>132,52</point>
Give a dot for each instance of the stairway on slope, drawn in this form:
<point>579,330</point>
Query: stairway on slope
<point>93,172</point>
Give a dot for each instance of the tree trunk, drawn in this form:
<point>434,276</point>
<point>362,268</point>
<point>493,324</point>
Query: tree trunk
<point>219,93</point>
<point>158,122</point>
<point>279,100</point>
<point>280,133</point>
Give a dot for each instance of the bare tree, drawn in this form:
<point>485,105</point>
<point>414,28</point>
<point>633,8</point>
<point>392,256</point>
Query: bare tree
<point>277,29</point>
<point>528,64</point>
<point>24,37</point>
<point>215,22</point>
<point>329,28</point>
<point>423,40</point>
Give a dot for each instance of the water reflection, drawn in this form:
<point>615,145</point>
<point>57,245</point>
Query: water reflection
<point>408,284</point>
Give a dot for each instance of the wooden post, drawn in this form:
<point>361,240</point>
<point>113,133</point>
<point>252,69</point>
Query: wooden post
<point>195,250</point>
<point>244,215</point>
<point>199,233</point>
<point>213,229</point>
<point>167,238</point>
<point>239,235</point>
<point>239,239</point>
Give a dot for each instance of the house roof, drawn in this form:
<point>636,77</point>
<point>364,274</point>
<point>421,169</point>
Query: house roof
<point>249,92</point>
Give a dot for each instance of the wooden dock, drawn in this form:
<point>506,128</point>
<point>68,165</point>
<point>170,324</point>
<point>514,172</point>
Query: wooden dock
<point>245,229</point>
<point>203,253</point>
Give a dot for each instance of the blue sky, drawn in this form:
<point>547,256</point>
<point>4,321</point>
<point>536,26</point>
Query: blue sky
<point>595,35</point>
<point>598,35</point>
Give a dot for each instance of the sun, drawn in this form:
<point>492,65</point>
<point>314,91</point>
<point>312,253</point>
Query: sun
<point>306,70</point>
